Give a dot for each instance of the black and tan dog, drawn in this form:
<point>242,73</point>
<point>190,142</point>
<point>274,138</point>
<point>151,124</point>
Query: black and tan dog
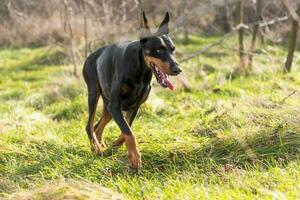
<point>121,73</point>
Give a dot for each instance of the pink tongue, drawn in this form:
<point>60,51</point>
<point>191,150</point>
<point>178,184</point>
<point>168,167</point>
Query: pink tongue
<point>169,83</point>
<point>166,80</point>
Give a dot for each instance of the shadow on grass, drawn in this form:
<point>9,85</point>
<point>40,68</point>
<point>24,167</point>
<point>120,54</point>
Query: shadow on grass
<point>51,160</point>
<point>36,61</point>
<point>49,58</point>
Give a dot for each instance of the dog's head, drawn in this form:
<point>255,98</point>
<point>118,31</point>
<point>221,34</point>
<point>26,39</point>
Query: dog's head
<point>158,51</point>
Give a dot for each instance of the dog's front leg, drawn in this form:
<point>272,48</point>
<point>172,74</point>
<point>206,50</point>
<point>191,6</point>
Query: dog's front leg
<point>134,156</point>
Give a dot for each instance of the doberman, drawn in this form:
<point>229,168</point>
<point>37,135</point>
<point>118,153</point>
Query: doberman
<point>121,73</point>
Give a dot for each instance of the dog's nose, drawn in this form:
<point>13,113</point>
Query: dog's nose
<point>176,70</point>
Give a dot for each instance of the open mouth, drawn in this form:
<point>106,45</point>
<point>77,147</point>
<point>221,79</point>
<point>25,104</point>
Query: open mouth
<point>161,77</point>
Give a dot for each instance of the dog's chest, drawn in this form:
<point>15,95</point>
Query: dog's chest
<point>134,95</point>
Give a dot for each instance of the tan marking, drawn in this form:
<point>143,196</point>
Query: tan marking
<point>134,156</point>
<point>95,146</point>
<point>163,66</point>
<point>105,118</point>
<point>93,116</point>
<point>119,142</point>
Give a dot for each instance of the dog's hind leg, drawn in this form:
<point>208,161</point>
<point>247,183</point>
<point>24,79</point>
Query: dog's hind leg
<point>93,97</point>
<point>105,118</point>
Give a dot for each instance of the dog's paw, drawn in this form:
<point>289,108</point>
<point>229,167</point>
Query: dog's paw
<point>103,145</point>
<point>97,148</point>
<point>134,158</point>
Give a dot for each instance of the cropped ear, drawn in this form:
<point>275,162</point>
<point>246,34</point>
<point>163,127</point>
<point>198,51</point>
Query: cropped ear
<point>164,26</point>
<point>145,22</point>
<point>143,40</point>
<point>145,27</point>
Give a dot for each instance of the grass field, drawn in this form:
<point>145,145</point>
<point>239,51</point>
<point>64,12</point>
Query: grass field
<point>229,137</point>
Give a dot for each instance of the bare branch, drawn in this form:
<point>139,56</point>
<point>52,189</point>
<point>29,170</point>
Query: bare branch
<point>292,12</point>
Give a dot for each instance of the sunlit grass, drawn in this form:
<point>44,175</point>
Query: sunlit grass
<point>229,137</point>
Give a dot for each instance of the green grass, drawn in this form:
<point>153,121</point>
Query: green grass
<point>229,137</point>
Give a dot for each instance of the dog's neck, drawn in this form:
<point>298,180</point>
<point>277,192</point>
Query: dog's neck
<point>146,72</point>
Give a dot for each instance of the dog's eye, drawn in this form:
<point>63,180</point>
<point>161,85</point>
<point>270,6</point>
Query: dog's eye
<point>159,51</point>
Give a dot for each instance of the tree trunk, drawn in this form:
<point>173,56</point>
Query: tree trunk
<point>69,30</point>
<point>255,31</point>
<point>229,18</point>
<point>186,34</point>
<point>261,36</point>
<point>241,37</point>
<point>185,27</point>
<point>293,35</point>
<point>292,46</point>
<point>85,29</point>
<point>223,18</point>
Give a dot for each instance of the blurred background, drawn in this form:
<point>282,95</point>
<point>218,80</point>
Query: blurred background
<point>230,129</point>
<point>80,26</point>
<point>41,22</point>
<point>87,24</point>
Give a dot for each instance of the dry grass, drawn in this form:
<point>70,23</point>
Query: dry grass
<point>67,190</point>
